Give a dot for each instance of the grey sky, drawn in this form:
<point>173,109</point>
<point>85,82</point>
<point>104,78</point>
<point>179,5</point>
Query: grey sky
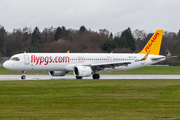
<point>113,15</point>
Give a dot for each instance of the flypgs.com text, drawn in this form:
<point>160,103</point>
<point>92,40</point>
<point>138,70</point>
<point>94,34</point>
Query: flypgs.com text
<point>49,59</point>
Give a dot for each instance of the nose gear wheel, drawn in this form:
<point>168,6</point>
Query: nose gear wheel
<point>23,76</point>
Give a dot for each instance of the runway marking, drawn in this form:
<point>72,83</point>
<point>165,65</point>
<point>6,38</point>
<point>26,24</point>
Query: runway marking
<point>102,77</point>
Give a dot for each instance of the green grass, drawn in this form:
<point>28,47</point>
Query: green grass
<point>90,99</point>
<point>149,70</point>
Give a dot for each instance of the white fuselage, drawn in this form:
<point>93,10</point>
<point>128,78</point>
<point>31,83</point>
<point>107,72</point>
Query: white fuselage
<point>67,61</point>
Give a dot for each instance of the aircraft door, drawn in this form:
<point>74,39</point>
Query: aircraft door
<point>26,59</point>
<point>109,59</point>
<point>27,63</point>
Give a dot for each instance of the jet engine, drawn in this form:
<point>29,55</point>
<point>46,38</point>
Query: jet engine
<point>82,71</point>
<point>57,73</point>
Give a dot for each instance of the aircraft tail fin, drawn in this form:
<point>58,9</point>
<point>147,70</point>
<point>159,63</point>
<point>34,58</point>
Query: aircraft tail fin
<point>154,43</point>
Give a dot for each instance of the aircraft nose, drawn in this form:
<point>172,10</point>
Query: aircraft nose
<point>6,65</point>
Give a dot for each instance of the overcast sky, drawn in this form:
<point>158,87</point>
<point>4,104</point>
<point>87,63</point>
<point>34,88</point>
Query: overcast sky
<point>113,15</point>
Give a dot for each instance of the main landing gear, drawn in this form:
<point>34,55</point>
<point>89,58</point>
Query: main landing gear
<point>96,76</point>
<point>23,76</point>
<point>77,77</point>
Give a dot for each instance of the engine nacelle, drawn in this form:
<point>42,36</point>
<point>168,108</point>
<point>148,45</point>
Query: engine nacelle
<point>57,73</point>
<point>82,71</point>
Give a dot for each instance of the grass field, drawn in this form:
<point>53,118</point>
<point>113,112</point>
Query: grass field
<point>149,70</point>
<point>90,99</point>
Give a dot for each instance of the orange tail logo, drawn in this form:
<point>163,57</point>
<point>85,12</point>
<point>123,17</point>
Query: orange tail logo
<point>154,43</point>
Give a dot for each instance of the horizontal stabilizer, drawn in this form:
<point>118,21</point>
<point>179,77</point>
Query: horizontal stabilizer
<point>172,57</point>
<point>159,58</point>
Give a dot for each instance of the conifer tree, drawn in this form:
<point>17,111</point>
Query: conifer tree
<point>56,36</point>
<point>2,38</point>
<point>35,36</point>
<point>129,38</point>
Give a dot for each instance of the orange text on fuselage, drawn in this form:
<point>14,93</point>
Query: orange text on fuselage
<point>49,59</point>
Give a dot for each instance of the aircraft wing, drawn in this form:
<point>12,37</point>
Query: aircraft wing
<point>101,66</point>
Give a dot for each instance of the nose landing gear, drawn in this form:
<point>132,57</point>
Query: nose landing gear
<point>23,76</point>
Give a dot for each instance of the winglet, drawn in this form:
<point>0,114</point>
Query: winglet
<point>145,57</point>
<point>68,51</point>
<point>154,43</point>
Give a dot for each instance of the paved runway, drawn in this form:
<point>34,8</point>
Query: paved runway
<point>72,77</point>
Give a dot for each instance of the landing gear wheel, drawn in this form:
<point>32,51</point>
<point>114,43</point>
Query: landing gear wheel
<point>77,77</point>
<point>96,76</point>
<point>23,77</point>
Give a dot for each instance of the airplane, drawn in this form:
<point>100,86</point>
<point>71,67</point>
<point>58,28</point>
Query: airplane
<point>87,64</point>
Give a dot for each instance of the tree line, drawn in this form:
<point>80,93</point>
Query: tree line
<point>61,39</point>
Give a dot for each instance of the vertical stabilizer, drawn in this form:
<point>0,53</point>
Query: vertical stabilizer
<point>154,44</point>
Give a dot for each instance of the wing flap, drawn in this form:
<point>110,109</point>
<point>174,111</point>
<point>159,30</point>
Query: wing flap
<point>101,66</point>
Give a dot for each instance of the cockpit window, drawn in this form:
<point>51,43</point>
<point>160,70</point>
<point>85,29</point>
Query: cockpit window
<point>15,59</point>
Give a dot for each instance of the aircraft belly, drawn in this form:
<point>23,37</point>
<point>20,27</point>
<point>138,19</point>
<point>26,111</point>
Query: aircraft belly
<point>50,67</point>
